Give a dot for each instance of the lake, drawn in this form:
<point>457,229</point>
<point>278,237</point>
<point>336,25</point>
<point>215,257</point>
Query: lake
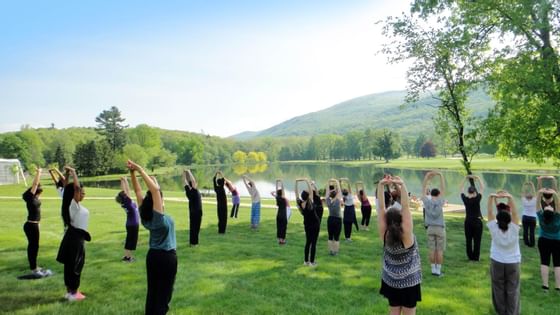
<point>265,176</point>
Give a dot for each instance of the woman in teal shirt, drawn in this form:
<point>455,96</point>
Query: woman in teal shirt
<point>549,234</point>
<point>161,260</point>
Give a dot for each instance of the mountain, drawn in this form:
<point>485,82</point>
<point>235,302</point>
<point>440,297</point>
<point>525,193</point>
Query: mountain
<point>375,111</point>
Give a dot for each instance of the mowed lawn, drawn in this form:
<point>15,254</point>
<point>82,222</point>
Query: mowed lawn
<point>242,272</point>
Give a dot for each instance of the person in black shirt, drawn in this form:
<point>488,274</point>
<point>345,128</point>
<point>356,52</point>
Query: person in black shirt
<point>317,202</point>
<point>31,227</point>
<point>473,216</point>
<point>310,222</point>
<point>281,214</point>
<point>195,206</point>
<point>219,182</point>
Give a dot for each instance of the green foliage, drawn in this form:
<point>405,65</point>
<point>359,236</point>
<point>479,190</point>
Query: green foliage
<point>523,74</point>
<point>93,158</point>
<point>110,125</point>
<point>447,57</point>
<point>13,147</point>
<point>388,146</point>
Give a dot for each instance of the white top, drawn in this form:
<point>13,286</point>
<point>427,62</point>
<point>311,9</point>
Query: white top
<point>348,200</point>
<point>60,191</point>
<point>79,215</point>
<point>529,207</point>
<point>255,196</point>
<point>505,245</point>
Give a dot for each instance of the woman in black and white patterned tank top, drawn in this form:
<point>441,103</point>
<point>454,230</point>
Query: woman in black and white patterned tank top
<point>402,272</point>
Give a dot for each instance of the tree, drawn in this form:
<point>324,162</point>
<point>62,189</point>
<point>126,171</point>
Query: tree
<point>418,144</point>
<point>239,157</point>
<point>109,124</point>
<point>162,158</point>
<point>252,157</point>
<point>261,157</point>
<point>12,147</point>
<point>59,157</point>
<point>93,158</point>
<point>446,57</point>
<point>523,73</point>
<point>85,158</point>
<point>407,146</point>
<point>428,149</point>
<point>388,146</point>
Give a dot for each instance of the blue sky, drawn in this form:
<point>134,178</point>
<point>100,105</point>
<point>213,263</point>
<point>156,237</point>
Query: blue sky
<point>219,66</point>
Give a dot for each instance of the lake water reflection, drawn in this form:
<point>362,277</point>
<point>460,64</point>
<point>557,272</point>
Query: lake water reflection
<point>265,176</point>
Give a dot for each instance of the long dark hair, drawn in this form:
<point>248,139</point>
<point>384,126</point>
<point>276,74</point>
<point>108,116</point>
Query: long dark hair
<point>548,214</point>
<point>147,207</point>
<point>503,218</point>
<point>393,220</point>
<point>67,197</point>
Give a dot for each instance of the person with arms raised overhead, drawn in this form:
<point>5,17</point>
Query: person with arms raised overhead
<point>221,199</point>
<point>473,216</point>
<point>334,222</point>
<point>72,252</point>
<point>549,234</point>
<point>435,222</point>
<point>32,198</point>
<point>529,218</point>
<point>282,212</point>
<point>132,220</point>
<point>310,221</point>
<point>255,202</point>
<point>505,256</point>
<point>195,206</point>
<point>402,271</point>
<point>161,260</point>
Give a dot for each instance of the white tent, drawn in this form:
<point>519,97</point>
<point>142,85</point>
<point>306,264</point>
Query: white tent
<point>11,172</point>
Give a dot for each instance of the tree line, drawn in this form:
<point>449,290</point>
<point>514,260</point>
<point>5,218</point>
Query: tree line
<point>104,150</point>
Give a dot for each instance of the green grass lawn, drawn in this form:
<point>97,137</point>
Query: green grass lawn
<point>242,272</point>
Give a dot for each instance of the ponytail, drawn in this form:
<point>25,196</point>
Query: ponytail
<point>147,207</point>
<point>393,219</point>
<point>503,218</point>
<point>66,201</point>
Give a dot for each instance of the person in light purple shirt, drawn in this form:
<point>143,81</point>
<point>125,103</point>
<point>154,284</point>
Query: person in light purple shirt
<point>132,220</point>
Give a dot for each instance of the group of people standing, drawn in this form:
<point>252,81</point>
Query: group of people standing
<point>401,276</point>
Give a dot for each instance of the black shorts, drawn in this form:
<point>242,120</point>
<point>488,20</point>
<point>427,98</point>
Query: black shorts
<point>407,297</point>
<point>131,237</point>
<point>549,247</point>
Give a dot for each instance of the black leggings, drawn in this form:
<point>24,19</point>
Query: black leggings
<point>348,228</point>
<point>473,233</point>
<point>71,277</point>
<point>161,268</point>
<point>366,215</point>
<point>222,217</point>
<point>529,224</point>
<point>234,210</point>
<point>32,232</point>
<point>281,227</point>
<point>131,237</point>
<point>547,248</point>
<point>311,236</point>
<point>194,228</point>
<point>334,227</point>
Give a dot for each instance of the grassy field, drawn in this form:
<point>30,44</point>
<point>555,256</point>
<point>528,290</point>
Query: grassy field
<point>242,272</point>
